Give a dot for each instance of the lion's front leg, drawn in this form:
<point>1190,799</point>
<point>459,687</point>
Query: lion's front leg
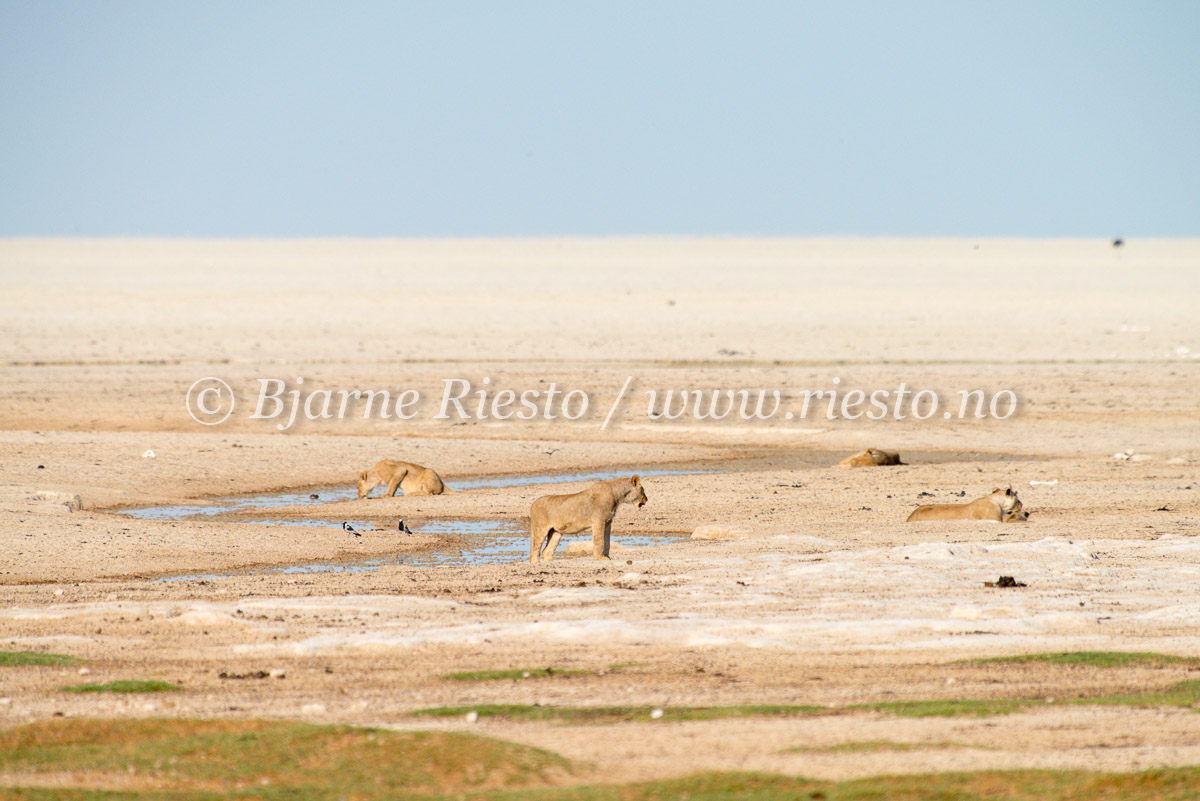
<point>601,530</point>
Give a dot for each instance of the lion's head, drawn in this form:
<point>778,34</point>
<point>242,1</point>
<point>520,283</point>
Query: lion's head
<point>1006,499</point>
<point>636,494</point>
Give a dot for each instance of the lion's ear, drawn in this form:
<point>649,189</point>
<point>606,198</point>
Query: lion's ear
<point>635,480</point>
<point>1009,491</point>
<point>362,476</point>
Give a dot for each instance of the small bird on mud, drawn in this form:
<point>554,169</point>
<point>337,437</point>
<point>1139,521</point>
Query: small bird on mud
<point>350,528</point>
<point>403,529</point>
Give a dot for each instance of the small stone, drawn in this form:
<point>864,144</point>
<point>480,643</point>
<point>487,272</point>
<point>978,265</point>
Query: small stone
<point>84,671</point>
<point>655,714</point>
<point>277,674</point>
<point>472,716</point>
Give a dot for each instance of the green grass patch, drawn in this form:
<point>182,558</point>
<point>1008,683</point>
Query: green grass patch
<point>617,714</point>
<point>951,707</point>
<point>222,759</point>
<point>23,658</point>
<point>1185,693</point>
<point>1098,659</point>
<point>125,686</point>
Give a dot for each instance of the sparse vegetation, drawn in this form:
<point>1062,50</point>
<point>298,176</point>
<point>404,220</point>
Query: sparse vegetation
<point>1098,659</point>
<point>1169,784</point>
<point>514,674</point>
<point>23,658</point>
<point>125,686</point>
<point>617,714</point>
<point>951,707</point>
<point>228,760</point>
<point>191,759</point>
<point>1185,693</point>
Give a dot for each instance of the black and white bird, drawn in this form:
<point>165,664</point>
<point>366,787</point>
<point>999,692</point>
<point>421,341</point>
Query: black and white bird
<point>346,526</point>
<point>403,529</point>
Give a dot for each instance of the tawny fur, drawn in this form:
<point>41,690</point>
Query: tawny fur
<point>412,478</point>
<point>990,507</point>
<point>871,457</point>
<point>552,516</point>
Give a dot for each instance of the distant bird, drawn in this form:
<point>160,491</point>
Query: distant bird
<point>1118,242</point>
<point>350,528</point>
<point>551,452</point>
<point>403,529</point>
<point>313,497</point>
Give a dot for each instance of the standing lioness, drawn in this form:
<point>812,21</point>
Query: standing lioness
<point>998,505</point>
<point>555,515</point>
<point>412,478</point>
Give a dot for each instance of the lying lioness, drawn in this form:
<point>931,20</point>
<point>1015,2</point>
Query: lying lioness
<point>555,515</point>
<point>412,478</point>
<point>871,457</point>
<point>996,506</point>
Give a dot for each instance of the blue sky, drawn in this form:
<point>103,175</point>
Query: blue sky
<point>433,119</point>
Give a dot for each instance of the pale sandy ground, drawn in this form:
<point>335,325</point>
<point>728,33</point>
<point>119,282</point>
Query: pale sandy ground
<point>832,600</point>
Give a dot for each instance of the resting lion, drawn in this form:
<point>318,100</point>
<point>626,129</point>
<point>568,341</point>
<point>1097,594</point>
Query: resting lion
<point>871,457</point>
<point>555,515</point>
<point>998,505</point>
<point>412,478</point>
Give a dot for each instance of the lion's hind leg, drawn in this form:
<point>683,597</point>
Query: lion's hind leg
<point>537,538</point>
